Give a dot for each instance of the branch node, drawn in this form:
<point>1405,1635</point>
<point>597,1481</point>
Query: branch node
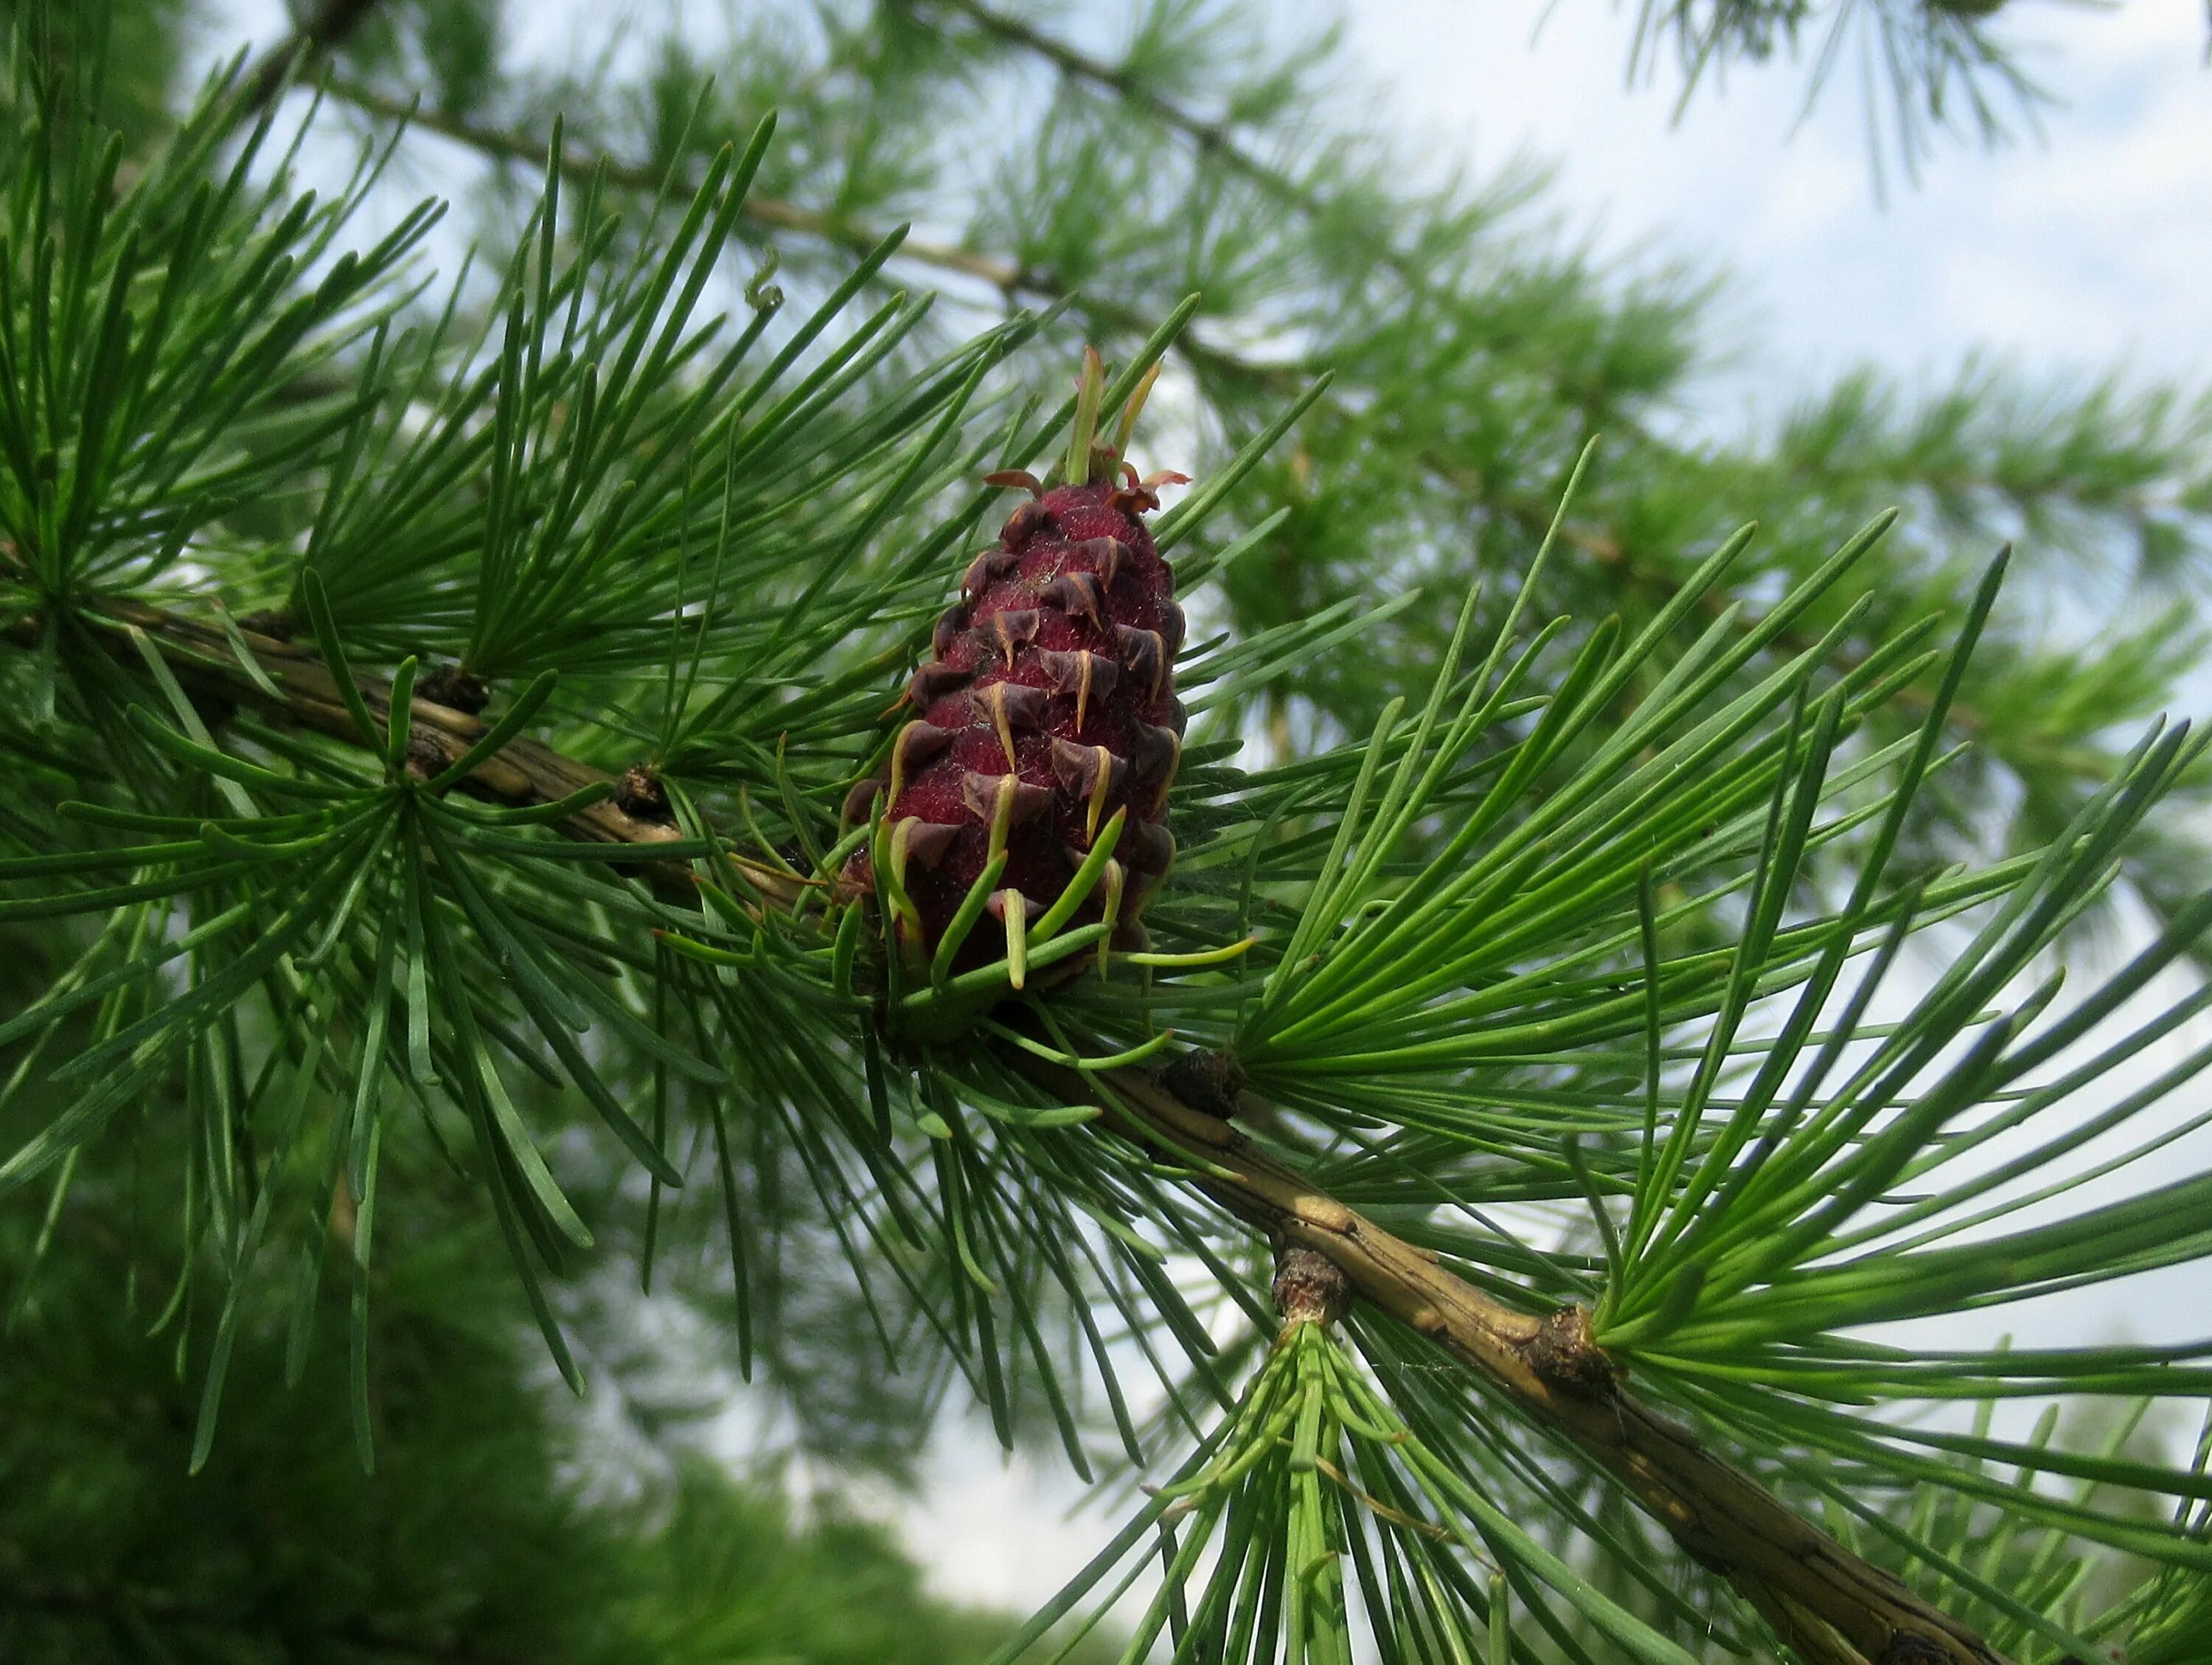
<point>1206,1080</point>
<point>1911,1647</point>
<point>1564,1355</point>
<point>274,622</point>
<point>1310,1287</point>
<point>638,794</point>
<point>455,687</point>
<point>428,757</point>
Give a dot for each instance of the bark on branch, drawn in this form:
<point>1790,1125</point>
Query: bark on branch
<point>522,774</point>
<point>1831,1606</point>
<point>329,24</point>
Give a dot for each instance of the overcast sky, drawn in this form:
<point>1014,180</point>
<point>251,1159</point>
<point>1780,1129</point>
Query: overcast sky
<point>2089,250</point>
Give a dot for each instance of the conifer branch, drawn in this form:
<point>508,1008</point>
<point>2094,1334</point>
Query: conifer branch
<point>330,24</point>
<point>774,213</point>
<point>521,773</point>
<point>489,943</point>
<point>1830,1604</point>
<point>1015,280</point>
<point>1214,138</point>
<point>1607,550</point>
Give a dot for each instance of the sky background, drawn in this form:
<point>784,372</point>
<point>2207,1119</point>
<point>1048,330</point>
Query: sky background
<point>2083,254</point>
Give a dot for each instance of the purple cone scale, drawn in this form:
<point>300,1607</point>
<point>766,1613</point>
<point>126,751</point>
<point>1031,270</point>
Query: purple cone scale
<point>1046,704</point>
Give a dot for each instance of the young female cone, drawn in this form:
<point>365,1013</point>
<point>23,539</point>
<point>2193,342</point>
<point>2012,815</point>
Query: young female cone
<point>1047,706</point>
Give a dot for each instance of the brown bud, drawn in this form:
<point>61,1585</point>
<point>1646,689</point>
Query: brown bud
<point>1206,1080</point>
<point>455,688</point>
<point>638,793</point>
<point>1565,1354</point>
<point>1310,1287</point>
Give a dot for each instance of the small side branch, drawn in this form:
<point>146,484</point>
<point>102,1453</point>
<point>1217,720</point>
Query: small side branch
<point>329,23</point>
<point>522,774</point>
<point>769,213</point>
<point>1831,1606</point>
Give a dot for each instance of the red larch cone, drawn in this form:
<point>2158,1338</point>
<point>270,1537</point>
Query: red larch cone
<point>1046,704</point>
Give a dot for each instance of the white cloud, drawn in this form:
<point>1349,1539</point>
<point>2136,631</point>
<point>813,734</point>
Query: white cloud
<point>2092,247</point>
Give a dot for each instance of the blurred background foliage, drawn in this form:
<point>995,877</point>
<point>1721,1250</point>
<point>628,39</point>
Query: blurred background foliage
<point>499,1525</point>
<point>503,1522</point>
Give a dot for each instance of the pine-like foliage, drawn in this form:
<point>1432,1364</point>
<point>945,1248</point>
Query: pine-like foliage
<point>1590,996</point>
